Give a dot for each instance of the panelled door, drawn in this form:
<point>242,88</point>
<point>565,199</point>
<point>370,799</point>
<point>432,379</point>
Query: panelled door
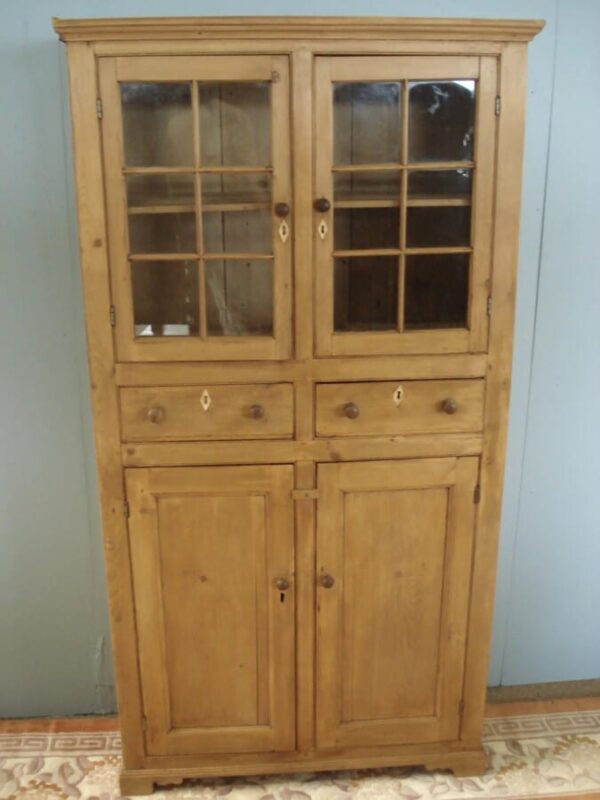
<point>197,163</point>
<point>212,556</point>
<point>404,152</point>
<point>394,543</point>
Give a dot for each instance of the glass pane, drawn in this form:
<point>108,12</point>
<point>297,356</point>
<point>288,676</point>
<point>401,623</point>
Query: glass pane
<point>157,124</point>
<point>357,186</point>
<point>237,232</point>
<point>162,233</point>
<point>435,226</point>
<point>235,127</point>
<point>366,123</point>
<point>244,189</point>
<point>239,297</point>
<point>366,228</point>
<point>440,121</point>
<point>432,183</point>
<point>436,291</point>
<point>365,293</point>
<point>165,298</point>
<point>160,190</point>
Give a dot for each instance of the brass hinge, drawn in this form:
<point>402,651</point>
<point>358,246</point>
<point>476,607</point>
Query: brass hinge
<point>497,106</point>
<point>461,708</point>
<point>99,108</point>
<point>477,494</point>
<point>305,494</point>
<point>126,509</point>
<point>113,316</point>
<point>489,306</point>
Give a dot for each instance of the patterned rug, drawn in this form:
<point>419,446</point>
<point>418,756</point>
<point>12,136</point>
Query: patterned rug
<point>530,756</point>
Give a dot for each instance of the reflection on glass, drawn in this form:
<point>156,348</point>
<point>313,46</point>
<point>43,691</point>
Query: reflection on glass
<point>235,125</point>
<point>237,232</point>
<point>436,291</point>
<point>365,293</point>
<point>239,297</point>
<point>366,228</point>
<point>165,298</point>
<point>366,123</point>
<point>160,190</point>
<point>439,183</point>
<point>240,189</point>
<point>441,120</point>
<point>357,186</point>
<point>157,124</point>
<point>162,233</point>
<point>435,226</point>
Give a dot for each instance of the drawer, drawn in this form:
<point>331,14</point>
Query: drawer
<point>381,408</point>
<point>255,411</point>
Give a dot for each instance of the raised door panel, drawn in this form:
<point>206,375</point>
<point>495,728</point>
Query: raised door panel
<point>404,163</point>
<point>198,185</point>
<point>394,542</point>
<point>216,634</point>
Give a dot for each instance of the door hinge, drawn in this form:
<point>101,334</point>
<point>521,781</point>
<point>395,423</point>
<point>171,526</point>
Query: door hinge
<point>477,494</point>
<point>497,105</point>
<point>305,494</point>
<point>489,306</point>
<point>126,509</point>
<point>461,708</point>
<point>113,316</point>
<point>99,108</point>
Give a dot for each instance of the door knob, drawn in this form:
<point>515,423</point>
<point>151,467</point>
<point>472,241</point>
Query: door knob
<point>450,406</point>
<point>322,204</point>
<point>282,584</point>
<point>351,410</point>
<point>327,581</point>
<point>282,209</point>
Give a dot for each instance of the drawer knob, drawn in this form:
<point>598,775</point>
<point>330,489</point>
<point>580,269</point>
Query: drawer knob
<point>282,584</point>
<point>351,410</point>
<point>257,411</point>
<point>322,204</point>
<point>450,406</point>
<point>327,581</point>
<point>156,414</point>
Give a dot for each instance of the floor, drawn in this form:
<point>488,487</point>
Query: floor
<point>537,749</point>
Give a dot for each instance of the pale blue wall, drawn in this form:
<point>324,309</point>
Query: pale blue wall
<point>53,621</point>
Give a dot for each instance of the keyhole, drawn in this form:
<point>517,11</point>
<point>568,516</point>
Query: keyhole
<point>282,597</point>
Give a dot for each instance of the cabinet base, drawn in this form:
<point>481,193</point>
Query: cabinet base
<point>463,763</point>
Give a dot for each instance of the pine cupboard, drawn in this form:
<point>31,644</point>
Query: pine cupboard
<point>298,242</point>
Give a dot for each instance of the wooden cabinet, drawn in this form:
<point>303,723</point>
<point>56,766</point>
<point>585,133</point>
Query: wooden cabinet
<point>299,241</point>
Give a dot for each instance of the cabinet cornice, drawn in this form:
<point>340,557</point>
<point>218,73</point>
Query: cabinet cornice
<point>319,28</point>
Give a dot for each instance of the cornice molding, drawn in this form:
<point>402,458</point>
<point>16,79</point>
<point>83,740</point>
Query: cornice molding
<point>198,28</point>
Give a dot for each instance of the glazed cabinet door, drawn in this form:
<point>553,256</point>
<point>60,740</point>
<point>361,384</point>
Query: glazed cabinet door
<point>213,561</point>
<point>404,152</point>
<point>394,542</point>
<point>197,174</point>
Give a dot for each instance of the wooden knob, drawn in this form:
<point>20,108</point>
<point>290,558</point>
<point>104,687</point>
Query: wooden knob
<point>156,414</point>
<point>322,204</point>
<point>450,406</point>
<point>326,581</point>
<point>282,209</point>
<point>257,411</point>
<point>351,410</point>
<point>282,584</point>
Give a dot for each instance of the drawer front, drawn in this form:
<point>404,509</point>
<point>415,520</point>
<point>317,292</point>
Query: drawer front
<point>256,411</point>
<point>381,408</point>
